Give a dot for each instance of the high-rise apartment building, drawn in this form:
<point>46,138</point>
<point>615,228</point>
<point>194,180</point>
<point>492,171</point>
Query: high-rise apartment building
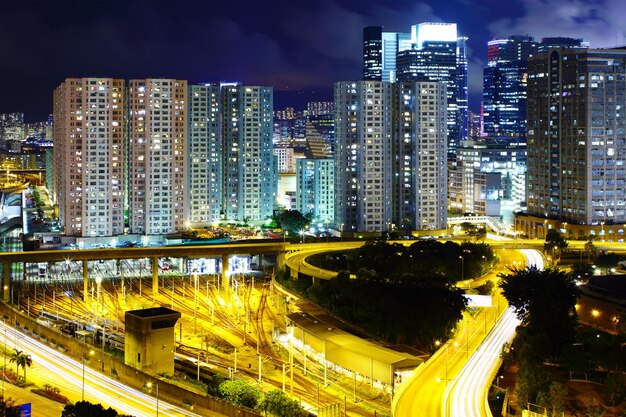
<point>577,135</point>
<point>438,54</point>
<point>204,155</point>
<point>363,175</point>
<point>249,171</point>
<point>315,190</point>
<point>158,200</point>
<point>421,168</point>
<point>88,156</point>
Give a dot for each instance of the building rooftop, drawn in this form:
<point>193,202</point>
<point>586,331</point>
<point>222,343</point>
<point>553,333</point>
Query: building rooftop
<point>153,312</point>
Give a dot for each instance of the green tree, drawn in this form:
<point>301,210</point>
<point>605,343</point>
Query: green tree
<point>554,245</point>
<point>553,399</point>
<point>87,409</point>
<point>278,404</point>
<point>532,379</point>
<point>545,303</point>
<point>7,408</point>
<point>590,251</point>
<point>22,360</point>
<point>595,409</point>
<point>293,221</point>
<point>240,393</point>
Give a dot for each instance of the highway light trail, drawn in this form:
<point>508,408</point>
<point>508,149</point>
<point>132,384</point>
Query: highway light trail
<point>98,388</point>
<point>467,396</point>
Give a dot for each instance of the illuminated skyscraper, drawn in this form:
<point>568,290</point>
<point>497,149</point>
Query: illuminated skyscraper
<point>88,156</point>
<point>577,135</point>
<point>205,155</point>
<point>250,180</point>
<point>372,53</point>
<point>158,200</point>
<point>438,54</point>
<point>504,93</point>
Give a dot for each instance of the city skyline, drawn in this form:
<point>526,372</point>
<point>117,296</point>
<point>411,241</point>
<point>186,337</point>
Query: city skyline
<point>299,50</point>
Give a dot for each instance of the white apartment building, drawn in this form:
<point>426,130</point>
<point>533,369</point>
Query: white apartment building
<point>315,191</point>
<point>249,165</point>
<point>363,156</point>
<point>421,157</point>
<point>158,198</point>
<point>286,159</point>
<point>88,156</point>
<point>205,159</point>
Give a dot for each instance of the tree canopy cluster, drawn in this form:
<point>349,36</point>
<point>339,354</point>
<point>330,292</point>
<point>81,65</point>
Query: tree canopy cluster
<point>87,409</point>
<point>292,220</point>
<point>544,301</point>
<point>426,260</point>
<point>403,295</point>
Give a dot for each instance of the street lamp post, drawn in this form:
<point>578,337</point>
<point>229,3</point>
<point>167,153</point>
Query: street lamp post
<point>302,238</point>
<point>83,392</point>
<point>98,294</point>
<point>462,267</point>
<point>149,385</point>
<point>602,230</point>
<point>195,301</point>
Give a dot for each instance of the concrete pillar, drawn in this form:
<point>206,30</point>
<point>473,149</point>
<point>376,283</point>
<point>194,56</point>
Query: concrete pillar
<point>280,260</point>
<point>293,273</point>
<point>225,272</point>
<point>155,276</point>
<point>6,273</point>
<point>85,279</point>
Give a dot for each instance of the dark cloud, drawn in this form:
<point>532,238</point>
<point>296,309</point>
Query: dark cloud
<point>291,45</point>
<point>600,22</point>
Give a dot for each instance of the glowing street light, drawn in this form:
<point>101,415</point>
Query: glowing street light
<point>462,267</point>
<point>149,385</point>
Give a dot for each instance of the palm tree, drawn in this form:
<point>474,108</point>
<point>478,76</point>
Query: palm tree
<point>21,359</point>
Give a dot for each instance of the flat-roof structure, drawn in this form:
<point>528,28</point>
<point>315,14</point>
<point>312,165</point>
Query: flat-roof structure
<point>371,360</point>
<point>149,339</point>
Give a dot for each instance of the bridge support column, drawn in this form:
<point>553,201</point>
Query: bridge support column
<point>315,280</point>
<point>6,273</point>
<point>280,260</point>
<point>85,279</point>
<point>225,271</point>
<point>155,276</point>
<point>293,273</point>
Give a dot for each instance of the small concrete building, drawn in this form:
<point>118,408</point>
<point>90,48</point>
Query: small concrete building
<point>149,339</point>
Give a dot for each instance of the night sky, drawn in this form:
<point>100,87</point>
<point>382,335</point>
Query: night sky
<point>298,47</point>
